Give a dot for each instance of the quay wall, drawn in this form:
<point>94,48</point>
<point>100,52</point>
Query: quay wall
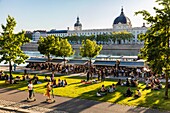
<point>34,47</point>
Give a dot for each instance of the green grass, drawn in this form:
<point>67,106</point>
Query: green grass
<point>75,89</point>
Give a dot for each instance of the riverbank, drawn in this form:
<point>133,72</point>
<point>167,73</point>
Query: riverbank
<point>32,46</point>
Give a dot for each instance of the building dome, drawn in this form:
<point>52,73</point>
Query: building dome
<point>77,23</point>
<point>122,19</point>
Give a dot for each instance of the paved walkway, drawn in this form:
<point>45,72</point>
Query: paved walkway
<point>12,101</point>
<point>16,100</point>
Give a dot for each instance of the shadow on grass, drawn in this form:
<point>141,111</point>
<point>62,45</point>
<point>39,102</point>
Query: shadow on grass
<point>84,101</point>
<point>78,104</point>
<point>155,100</point>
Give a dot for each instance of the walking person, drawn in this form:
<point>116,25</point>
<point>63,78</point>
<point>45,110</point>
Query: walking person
<point>48,90</point>
<point>14,65</point>
<point>30,89</point>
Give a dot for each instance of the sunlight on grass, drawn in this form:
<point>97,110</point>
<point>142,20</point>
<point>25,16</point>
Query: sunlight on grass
<point>76,89</point>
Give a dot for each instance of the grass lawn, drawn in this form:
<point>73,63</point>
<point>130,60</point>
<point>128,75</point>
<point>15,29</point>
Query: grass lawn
<point>75,89</point>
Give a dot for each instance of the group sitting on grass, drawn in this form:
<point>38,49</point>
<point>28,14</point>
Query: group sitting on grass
<point>103,91</point>
<point>153,84</point>
<point>132,82</point>
<point>129,93</point>
<point>8,79</point>
<point>61,83</point>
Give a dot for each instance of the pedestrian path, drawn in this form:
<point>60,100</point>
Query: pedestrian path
<point>16,100</point>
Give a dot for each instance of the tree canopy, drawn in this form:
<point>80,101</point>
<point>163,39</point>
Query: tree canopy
<point>10,44</point>
<point>90,49</point>
<point>123,35</point>
<point>156,40</point>
<point>62,48</point>
<point>46,45</point>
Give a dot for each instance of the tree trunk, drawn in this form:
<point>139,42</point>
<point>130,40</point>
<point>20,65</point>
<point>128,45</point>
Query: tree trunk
<point>48,56</point>
<point>166,85</point>
<point>10,71</point>
<point>64,63</point>
<point>167,70</point>
<point>90,66</point>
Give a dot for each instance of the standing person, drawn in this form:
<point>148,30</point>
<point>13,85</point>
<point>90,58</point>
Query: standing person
<point>48,90</point>
<point>30,89</point>
<point>52,77</point>
<point>15,66</point>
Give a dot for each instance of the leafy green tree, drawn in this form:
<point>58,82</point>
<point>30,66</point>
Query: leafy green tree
<point>10,44</point>
<point>29,35</point>
<point>46,45</point>
<point>90,49</point>
<point>62,48</point>
<point>156,40</point>
<point>122,35</point>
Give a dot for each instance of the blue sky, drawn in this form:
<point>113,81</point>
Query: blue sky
<point>60,14</point>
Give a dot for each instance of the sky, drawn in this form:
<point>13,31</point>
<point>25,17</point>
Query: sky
<point>33,15</point>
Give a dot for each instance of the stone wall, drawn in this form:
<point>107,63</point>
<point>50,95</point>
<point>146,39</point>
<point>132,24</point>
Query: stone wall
<point>34,47</point>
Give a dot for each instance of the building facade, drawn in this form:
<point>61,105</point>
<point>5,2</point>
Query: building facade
<point>121,23</point>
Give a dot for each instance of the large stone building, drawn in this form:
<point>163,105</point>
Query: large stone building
<point>121,23</point>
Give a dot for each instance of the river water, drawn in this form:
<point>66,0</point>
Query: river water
<point>102,53</point>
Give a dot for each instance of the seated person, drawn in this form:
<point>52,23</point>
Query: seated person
<point>134,83</point>
<point>154,86</point>
<point>119,82</point>
<point>160,86</point>
<point>147,81</point>
<point>54,84</point>
<point>1,74</point>
<point>156,81</point>
<point>35,78</point>
<point>23,78</point>
<point>65,82</point>
<point>6,76</point>
<point>114,86</point>
<point>127,83</point>
<point>28,77</point>
<point>110,89</point>
<point>138,94</point>
<point>103,89</point>
<point>17,78</point>
<point>59,83</point>
<point>46,79</point>
<point>128,93</point>
<point>62,83</point>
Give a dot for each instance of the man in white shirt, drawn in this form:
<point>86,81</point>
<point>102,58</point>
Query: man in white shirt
<point>30,89</point>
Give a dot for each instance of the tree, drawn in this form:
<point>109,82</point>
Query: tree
<point>90,49</point>
<point>11,43</point>
<point>46,45</point>
<point>156,46</point>
<point>62,48</point>
<point>122,35</point>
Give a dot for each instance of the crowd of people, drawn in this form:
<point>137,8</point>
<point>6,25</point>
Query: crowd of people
<point>57,67</point>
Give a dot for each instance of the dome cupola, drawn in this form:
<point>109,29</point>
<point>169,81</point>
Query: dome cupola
<point>122,19</point>
<point>78,25</point>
